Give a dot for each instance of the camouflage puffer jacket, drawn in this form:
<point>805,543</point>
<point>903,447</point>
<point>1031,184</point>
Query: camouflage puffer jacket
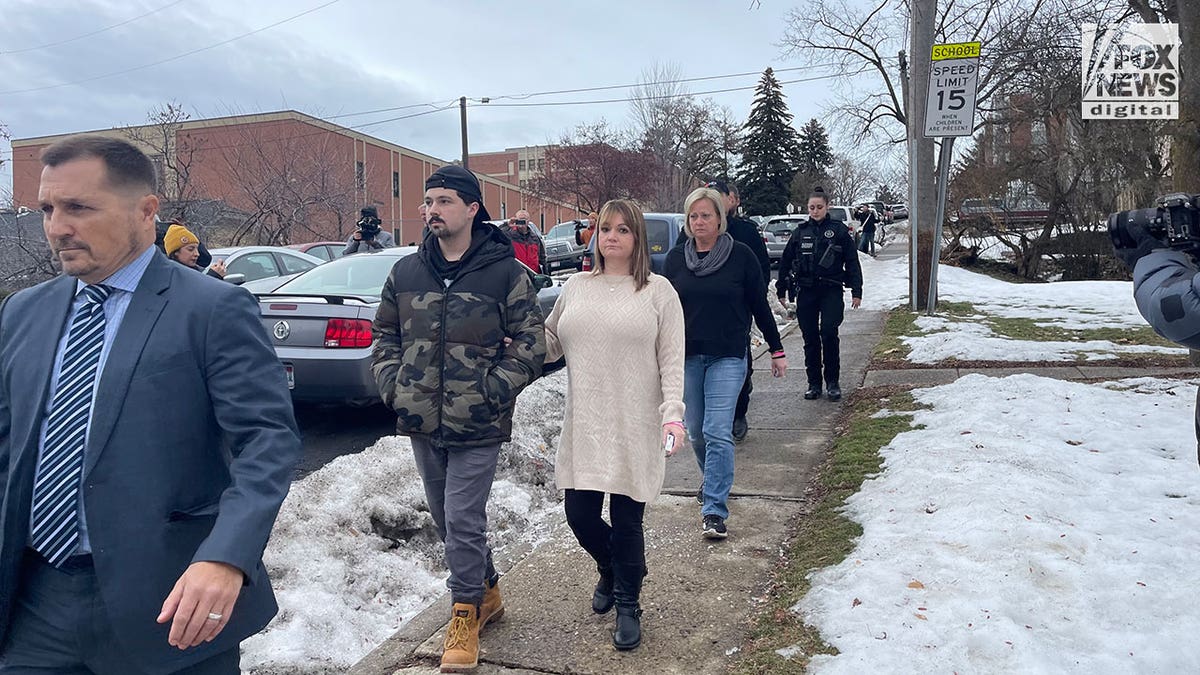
<point>439,356</point>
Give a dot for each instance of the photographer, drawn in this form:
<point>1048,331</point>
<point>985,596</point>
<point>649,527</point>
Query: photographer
<point>369,235</point>
<point>1160,247</point>
<point>527,244</point>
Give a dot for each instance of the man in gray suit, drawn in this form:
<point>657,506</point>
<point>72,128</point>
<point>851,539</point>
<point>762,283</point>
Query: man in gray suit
<point>146,442</point>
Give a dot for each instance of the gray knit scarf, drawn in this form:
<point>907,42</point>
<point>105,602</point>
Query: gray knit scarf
<point>712,262</point>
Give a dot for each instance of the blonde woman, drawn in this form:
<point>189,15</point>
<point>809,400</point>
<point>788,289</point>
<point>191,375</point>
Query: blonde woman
<point>721,287</point>
<point>621,330</point>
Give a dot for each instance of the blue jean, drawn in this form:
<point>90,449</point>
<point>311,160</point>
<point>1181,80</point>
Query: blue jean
<point>710,391</point>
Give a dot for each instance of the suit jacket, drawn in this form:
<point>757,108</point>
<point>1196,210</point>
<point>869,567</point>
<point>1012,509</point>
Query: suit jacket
<point>190,453</point>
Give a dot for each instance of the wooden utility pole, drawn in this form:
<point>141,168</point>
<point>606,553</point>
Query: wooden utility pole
<point>923,202</point>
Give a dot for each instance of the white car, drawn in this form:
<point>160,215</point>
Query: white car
<point>260,262</point>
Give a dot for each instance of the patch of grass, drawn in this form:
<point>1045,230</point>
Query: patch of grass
<point>899,323</point>
<point>823,537</point>
<point>902,323</point>
<point>1022,328</point>
<point>892,352</point>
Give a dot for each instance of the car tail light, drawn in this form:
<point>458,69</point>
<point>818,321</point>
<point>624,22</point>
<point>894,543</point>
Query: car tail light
<point>342,333</point>
<point>586,263</point>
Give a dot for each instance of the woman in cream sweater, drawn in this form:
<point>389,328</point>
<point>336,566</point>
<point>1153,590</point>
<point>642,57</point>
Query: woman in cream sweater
<point>621,329</point>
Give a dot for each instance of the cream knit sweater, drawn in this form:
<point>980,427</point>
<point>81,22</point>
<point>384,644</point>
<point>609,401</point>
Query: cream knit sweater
<point>624,354</point>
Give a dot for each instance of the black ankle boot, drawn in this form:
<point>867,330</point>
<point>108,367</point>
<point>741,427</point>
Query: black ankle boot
<point>813,393</point>
<point>627,589</point>
<point>602,598</point>
<point>834,391</point>
<point>629,628</point>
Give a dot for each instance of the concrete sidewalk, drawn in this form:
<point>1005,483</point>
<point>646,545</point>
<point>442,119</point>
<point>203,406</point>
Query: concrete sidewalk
<point>699,595</point>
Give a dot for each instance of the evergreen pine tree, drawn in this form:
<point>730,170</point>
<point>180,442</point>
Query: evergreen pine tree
<point>770,151</point>
<point>815,158</point>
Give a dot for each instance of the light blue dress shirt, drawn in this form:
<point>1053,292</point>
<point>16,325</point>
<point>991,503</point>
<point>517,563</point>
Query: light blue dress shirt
<point>123,282</point>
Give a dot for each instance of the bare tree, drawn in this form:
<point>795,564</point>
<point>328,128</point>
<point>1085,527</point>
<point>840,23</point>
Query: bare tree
<point>1042,149</point>
<point>175,155</point>
<point>689,139</point>
<point>289,189</point>
<point>863,40</point>
<point>593,165</point>
<point>25,258</point>
<point>849,181</point>
<point>1185,145</point>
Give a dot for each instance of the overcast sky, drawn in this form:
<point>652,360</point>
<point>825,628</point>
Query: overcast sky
<point>350,56</point>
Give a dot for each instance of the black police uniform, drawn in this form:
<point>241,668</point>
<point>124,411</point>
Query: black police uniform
<point>819,259</point>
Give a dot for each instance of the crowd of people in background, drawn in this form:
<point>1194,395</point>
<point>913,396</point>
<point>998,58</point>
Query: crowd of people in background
<point>654,362</point>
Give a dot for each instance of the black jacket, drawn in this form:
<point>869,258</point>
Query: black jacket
<point>746,232</point>
<point>439,356</point>
<point>819,253</point>
<point>717,308</point>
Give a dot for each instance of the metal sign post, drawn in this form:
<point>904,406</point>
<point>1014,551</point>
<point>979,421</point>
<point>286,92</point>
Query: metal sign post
<point>949,112</point>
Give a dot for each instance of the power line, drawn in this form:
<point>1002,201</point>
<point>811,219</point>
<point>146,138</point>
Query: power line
<point>439,106</point>
<point>663,96</point>
<point>647,84</point>
<point>172,58</point>
<point>579,90</point>
<point>95,32</point>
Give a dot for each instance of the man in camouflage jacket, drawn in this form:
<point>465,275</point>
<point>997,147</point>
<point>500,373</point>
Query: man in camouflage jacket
<point>458,334</point>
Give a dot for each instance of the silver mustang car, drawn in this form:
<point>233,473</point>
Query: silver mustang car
<point>320,325</point>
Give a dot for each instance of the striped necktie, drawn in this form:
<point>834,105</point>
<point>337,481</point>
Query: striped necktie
<point>56,489</point>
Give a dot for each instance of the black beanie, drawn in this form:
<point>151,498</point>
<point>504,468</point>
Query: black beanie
<point>454,177</point>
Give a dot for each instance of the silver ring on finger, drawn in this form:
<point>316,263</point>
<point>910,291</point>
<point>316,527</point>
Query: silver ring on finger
<point>213,616</point>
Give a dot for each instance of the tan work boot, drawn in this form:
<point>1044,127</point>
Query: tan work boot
<point>493,606</point>
<point>460,651</point>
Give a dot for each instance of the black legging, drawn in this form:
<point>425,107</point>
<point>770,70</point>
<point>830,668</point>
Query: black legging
<point>623,542</point>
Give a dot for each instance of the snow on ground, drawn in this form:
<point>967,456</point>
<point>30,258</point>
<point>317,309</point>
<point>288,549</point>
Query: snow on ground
<point>1069,305</point>
<point>354,553</point>
<point>1049,527</point>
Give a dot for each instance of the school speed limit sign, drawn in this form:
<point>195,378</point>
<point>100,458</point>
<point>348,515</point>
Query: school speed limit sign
<point>953,79</point>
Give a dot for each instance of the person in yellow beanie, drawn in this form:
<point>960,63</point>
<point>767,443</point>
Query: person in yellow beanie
<point>183,247</point>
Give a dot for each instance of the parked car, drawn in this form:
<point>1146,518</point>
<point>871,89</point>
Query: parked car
<point>778,231</point>
<point>880,210</point>
<point>561,250</point>
<point>663,232</point>
<point>325,250</point>
<point>899,211</point>
<point>320,325</point>
<point>252,263</point>
<point>998,213</point>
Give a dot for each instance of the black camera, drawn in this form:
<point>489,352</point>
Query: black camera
<point>1175,222</point>
<point>369,226</point>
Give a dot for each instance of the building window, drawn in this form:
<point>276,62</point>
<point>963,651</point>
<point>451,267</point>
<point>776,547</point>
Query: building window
<point>395,183</point>
<point>360,175</point>
<point>521,164</point>
<point>541,164</point>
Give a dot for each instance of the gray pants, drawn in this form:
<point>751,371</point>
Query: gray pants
<point>457,485</point>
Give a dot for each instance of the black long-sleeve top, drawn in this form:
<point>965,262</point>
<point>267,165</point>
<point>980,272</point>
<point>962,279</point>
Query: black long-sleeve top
<point>717,308</point>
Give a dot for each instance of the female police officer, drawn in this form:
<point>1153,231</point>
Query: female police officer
<point>819,259</point>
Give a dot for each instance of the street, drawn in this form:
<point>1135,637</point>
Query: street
<point>332,431</point>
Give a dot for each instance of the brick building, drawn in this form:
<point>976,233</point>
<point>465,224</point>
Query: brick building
<point>519,166</point>
<point>295,177</point>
